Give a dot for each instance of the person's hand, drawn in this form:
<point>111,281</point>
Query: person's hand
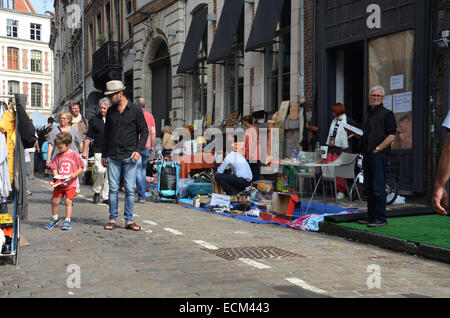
<point>440,200</point>
<point>85,154</point>
<point>47,162</point>
<point>135,156</point>
<point>104,163</point>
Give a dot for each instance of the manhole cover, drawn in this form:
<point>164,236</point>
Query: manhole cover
<point>264,252</point>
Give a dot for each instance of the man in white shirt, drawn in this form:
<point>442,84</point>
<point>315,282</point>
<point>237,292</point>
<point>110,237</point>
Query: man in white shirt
<point>240,177</point>
<point>440,197</point>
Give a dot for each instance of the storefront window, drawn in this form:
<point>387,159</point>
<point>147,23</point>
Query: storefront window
<point>234,73</point>
<point>200,82</point>
<point>278,63</point>
<point>391,61</point>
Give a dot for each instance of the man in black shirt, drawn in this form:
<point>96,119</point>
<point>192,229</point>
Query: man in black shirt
<point>125,137</point>
<point>379,129</point>
<point>94,139</point>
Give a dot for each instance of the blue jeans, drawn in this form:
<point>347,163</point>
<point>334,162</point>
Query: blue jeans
<point>116,168</point>
<point>141,173</point>
<point>374,167</point>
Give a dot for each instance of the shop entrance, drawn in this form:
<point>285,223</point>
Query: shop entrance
<point>161,88</point>
<point>346,82</point>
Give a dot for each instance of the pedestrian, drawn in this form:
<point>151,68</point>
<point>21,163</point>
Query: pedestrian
<point>440,197</point>
<point>141,173</point>
<point>66,163</point>
<point>40,165</point>
<point>241,174</point>
<point>252,146</point>
<point>81,125</point>
<point>125,137</point>
<point>44,152</point>
<point>94,140</point>
<point>338,141</point>
<point>379,129</point>
<point>167,142</point>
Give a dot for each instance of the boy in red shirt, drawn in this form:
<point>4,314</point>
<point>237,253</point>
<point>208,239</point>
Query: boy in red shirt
<point>66,163</point>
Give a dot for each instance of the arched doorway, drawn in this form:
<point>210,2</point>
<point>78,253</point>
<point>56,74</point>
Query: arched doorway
<point>161,87</point>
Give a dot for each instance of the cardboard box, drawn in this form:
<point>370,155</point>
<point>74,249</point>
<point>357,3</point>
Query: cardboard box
<point>281,219</point>
<point>283,204</point>
<point>238,198</point>
<point>220,200</point>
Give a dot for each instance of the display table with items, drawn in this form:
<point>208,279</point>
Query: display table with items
<point>195,163</point>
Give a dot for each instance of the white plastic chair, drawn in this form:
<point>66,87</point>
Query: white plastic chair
<point>345,168</point>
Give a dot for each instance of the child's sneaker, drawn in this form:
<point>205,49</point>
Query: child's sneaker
<point>51,224</point>
<point>66,225</point>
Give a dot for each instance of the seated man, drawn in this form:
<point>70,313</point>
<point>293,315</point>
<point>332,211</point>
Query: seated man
<point>240,176</point>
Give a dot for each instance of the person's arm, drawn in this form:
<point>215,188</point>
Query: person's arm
<point>440,197</point>
<point>87,142</point>
<point>224,165</point>
<point>49,154</point>
<point>142,130</point>
<point>76,173</point>
<point>152,136</point>
<point>390,128</point>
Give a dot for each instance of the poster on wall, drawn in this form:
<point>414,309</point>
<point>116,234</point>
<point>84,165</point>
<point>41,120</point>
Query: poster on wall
<point>397,82</point>
<point>387,103</point>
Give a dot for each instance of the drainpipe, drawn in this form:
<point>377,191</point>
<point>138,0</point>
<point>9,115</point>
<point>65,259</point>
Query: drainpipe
<point>302,99</point>
<point>83,58</point>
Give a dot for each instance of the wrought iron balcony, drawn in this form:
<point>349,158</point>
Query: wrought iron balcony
<point>108,55</point>
<point>107,64</point>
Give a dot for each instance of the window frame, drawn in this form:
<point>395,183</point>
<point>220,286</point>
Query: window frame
<point>12,27</point>
<point>36,95</point>
<point>35,31</point>
<point>34,59</point>
<point>12,59</point>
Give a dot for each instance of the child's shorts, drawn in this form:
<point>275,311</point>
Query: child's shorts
<point>67,192</point>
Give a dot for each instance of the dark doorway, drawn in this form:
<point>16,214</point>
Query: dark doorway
<point>128,82</point>
<point>161,88</point>
<point>346,83</point>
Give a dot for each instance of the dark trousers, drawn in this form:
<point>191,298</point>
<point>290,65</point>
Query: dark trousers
<point>231,184</point>
<point>256,169</point>
<point>374,167</point>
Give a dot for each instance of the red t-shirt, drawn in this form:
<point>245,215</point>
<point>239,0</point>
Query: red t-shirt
<point>150,123</point>
<point>66,164</point>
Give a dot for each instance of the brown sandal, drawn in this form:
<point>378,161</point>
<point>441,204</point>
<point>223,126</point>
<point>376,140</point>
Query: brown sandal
<point>110,226</point>
<point>133,226</point>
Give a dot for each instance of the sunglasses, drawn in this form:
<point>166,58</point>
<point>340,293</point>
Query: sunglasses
<point>374,95</point>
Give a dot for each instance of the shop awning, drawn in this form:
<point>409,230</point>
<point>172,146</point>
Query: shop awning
<point>265,24</point>
<point>226,30</point>
<point>193,40</point>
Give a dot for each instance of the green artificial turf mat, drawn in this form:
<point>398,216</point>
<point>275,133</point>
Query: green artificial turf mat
<point>427,229</point>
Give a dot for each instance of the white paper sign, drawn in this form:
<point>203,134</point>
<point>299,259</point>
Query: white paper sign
<point>387,103</point>
<point>403,102</point>
<point>446,122</point>
<point>397,82</point>
<point>354,129</point>
<point>220,200</point>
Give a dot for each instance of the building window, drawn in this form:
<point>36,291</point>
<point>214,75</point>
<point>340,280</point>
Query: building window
<point>36,95</point>
<point>35,31</point>
<point>12,27</point>
<point>99,36</point>
<point>130,27</point>
<point>13,58</point>
<point>200,82</point>
<point>13,87</point>
<point>234,74</point>
<point>36,61</point>
<point>7,4</point>
<point>278,63</point>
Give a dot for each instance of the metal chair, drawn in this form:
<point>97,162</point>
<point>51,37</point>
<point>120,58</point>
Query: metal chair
<point>345,169</point>
<point>303,176</point>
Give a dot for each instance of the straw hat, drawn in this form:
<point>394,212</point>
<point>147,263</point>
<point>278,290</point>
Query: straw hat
<point>114,87</point>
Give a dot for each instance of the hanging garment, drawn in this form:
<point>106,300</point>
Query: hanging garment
<point>5,184</point>
<point>8,126</point>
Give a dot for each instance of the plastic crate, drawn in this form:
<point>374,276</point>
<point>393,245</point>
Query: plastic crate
<point>200,188</point>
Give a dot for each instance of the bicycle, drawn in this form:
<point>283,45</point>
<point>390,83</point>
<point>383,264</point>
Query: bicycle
<point>391,185</point>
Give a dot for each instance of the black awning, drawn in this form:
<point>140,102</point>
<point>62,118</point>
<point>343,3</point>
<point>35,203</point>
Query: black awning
<point>226,30</point>
<point>192,45</point>
<point>265,24</point>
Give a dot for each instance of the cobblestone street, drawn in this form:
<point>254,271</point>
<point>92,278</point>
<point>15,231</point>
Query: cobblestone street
<point>173,257</point>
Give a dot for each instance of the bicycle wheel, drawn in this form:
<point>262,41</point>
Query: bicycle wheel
<point>391,190</point>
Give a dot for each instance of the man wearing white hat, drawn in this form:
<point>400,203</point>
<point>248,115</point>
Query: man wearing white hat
<point>125,137</point>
